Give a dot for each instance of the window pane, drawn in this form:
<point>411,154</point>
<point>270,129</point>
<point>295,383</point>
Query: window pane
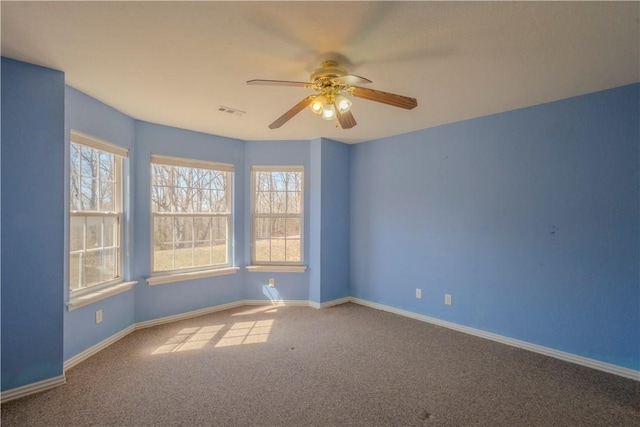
<point>279,202</point>
<point>181,176</point>
<point>201,200</point>
<point>88,162</point>
<point>263,202</point>
<point>110,271</point>
<point>293,202</point>
<point>278,181</point>
<point>294,181</point>
<point>76,234</point>
<point>293,250</point>
<point>202,229</point>
<point>107,166</point>
<point>263,181</point>
<point>219,228</point>
<point>74,160</point>
<point>292,228</point>
<point>263,239</point>
<point>293,245</point>
<point>89,190</point>
<point>202,179</point>
<point>219,201</point>
<point>219,235</point>
<point>219,180</point>
<point>160,175</point>
<point>160,199</point>
<point>74,196</point>
<point>92,267</point>
<point>162,244</point>
<point>74,271</point>
<point>110,231</point>
<point>93,238</point>
<point>107,195</point>
<point>202,237</point>
<point>278,233</point>
<point>181,200</point>
<point>278,250</point>
<point>263,250</point>
<point>202,254</point>
<point>184,242</point>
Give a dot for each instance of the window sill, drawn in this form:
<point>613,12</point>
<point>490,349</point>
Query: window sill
<point>100,294</point>
<point>179,277</point>
<point>276,268</point>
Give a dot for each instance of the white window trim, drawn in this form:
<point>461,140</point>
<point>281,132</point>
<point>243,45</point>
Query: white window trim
<point>192,275</point>
<point>178,275</point>
<point>87,295</point>
<point>276,266</point>
<point>98,293</point>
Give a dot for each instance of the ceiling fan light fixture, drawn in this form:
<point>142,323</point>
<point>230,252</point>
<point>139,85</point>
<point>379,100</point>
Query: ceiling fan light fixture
<point>316,105</point>
<point>328,112</point>
<point>342,103</point>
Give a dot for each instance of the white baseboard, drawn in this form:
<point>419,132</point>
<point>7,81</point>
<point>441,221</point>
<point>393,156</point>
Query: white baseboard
<point>557,354</point>
<point>291,302</point>
<point>331,303</point>
<point>84,355</point>
<point>33,388</point>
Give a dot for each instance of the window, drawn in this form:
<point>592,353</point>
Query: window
<point>277,215</point>
<point>191,210</point>
<point>95,229</point>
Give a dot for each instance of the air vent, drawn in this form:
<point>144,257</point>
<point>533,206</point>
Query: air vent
<point>232,111</point>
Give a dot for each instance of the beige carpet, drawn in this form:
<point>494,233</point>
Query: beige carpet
<point>342,366</point>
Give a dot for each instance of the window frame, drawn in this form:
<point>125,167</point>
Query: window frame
<point>120,154</point>
<point>177,274</point>
<point>276,266</point>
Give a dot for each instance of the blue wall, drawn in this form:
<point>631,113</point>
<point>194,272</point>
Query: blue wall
<point>529,219</point>
<point>329,206</point>
<point>289,286</point>
<point>33,214</point>
<point>158,301</point>
<point>89,116</point>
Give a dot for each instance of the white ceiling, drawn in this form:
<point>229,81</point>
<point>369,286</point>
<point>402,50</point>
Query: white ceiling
<point>175,63</point>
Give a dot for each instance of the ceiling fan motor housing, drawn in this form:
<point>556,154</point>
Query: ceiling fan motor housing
<point>328,70</point>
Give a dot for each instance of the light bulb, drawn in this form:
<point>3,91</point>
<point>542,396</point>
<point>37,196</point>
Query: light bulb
<point>316,105</point>
<point>329,112</point>
<point>342,104</point>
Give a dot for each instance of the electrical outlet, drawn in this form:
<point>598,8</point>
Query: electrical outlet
<point>272,283</point>
<point>418,293</point>
<point>447,299</point>
<point>99,316</point>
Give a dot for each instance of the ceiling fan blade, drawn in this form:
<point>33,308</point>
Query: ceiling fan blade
<point>384,97</point>
<point>346,120</point>
<point>350,79</point>
<point>292,112</point>
<point>278,83</point>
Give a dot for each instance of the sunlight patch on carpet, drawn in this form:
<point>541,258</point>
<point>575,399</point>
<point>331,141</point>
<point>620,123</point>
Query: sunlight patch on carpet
<point>246,333</point>
<point>189,339</point>
<point>238,333</point>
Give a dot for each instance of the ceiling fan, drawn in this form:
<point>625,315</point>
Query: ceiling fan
<point>332,83</point>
